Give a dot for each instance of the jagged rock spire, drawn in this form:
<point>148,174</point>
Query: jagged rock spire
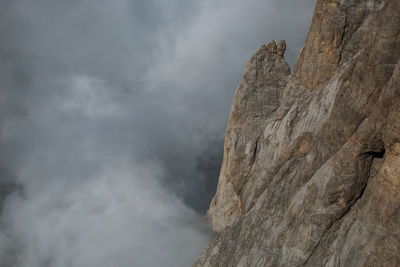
<point>274,48</point>
<point>281,47</point>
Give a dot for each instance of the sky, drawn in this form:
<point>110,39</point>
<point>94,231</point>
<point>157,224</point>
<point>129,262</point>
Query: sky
<point>112,118</point>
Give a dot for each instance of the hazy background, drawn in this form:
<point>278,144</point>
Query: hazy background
<point>112,117</point>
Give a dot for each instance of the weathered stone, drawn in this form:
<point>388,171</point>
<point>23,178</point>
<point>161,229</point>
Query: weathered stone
<point>311,168</point>
<point>281,48</point>
<point>256,98</point>
<point>271,47</point>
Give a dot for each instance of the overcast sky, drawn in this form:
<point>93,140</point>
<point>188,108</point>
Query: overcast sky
<point>112,117</point>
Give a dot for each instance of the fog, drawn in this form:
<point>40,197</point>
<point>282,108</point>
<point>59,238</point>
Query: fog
<point>112,118</point>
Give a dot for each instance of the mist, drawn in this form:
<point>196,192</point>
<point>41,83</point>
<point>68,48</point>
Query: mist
<point>112,118</point>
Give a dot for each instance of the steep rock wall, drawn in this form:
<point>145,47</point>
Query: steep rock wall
<point>311,168</point>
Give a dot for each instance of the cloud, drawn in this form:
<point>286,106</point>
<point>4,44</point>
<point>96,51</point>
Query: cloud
<point>119,217</point>
<point>88,97</point>
<point>112,117</point>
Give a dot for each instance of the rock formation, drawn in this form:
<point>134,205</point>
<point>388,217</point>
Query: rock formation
<point>311,168</point>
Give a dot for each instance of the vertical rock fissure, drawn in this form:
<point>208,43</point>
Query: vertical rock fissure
<point>253,158</point>
<point>346,25</point>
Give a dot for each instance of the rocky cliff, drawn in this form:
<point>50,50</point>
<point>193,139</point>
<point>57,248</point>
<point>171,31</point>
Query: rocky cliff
<point>311,168</point>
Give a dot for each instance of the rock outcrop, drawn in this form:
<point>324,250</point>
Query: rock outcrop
<point>257,97</point>
<point>311,168</point>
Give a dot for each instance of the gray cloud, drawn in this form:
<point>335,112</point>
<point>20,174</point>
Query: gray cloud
<point>112,116</point>
<point>119,217</point>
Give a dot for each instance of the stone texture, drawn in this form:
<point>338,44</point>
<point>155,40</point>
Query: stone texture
<point>281,47</point>
<point>256,98</point>
<point>311,168</point>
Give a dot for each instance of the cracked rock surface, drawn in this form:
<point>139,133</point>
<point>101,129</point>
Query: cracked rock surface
<point>311,168</point>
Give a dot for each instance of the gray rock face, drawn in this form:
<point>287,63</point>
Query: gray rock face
<point>311,168</point>
<point>257,97</point>
<point>281,48</point>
